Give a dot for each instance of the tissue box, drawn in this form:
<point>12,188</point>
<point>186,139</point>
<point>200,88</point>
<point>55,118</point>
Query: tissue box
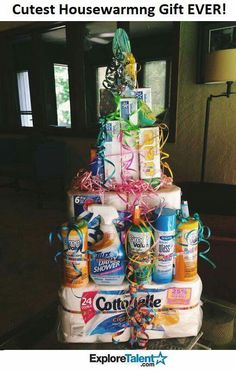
<point>112,131</point>
<point>149,154</point>
<point>112,161</point>
<point>144,94</point>
<point>112,153</point>
<point>129,110</point>
<point>130,155</point>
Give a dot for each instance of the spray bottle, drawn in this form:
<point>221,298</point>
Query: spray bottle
<point>165,234</point>
<point>108,264</point>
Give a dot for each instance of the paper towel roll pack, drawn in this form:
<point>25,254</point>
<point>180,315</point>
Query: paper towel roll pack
<point>170,196</point>
<point>98,313</point>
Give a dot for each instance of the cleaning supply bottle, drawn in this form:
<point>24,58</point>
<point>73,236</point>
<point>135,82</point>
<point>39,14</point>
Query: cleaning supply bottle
<point>75,259</point>
<point>108,264</point>
<point>165,226</point>
<point>186,247</point>
<point>139,238</point>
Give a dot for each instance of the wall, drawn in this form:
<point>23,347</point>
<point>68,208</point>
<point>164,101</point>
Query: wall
<point>186,152</point>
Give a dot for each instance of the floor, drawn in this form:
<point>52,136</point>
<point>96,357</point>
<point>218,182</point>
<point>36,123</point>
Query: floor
<point>30,280</point>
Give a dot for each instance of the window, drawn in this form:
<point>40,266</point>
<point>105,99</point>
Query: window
<point>62,95</point>
<point>100,77</point>
<point>55,72</point>
<point>24,99</point>
<point>154,77</point>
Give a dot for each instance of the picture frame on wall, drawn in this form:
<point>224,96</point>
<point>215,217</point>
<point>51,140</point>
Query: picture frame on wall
<point>213,36</point>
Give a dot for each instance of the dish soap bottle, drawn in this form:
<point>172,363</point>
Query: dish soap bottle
<point>108,264</point>
<point>139,238</point>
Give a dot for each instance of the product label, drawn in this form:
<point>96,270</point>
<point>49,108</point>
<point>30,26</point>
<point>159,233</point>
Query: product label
<point>179,296</point>
<point>139,242</point>
<point>165,250</point>
<point>149,153</point>
<point>128,110</point>
<point>81,203</point>
<point>107,266</point>
<point>112,131</point>
<point>105,311</point>
<point>73,245</point>
<point>75,272</point>
<point>190,238</point>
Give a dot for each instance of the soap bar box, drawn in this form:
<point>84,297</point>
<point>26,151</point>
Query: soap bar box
<point>112,153</point>
<point>149,153</point>
<point>145,94</point>
<point>129,110</point>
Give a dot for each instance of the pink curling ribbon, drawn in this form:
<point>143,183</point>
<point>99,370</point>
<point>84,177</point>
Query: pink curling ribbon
<point>85,181</point>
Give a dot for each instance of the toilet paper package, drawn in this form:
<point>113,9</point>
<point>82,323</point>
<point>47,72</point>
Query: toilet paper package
<point>78,202</point>
<point>99,313</point>
<point>94,314</point>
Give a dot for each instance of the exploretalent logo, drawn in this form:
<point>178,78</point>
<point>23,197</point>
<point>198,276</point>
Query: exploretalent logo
<point>144,361</point>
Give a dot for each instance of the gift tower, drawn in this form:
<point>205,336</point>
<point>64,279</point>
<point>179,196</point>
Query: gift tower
<point>129,252</point>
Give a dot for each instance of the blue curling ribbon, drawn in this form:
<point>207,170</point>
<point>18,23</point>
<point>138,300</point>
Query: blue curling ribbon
<point>204,233</point>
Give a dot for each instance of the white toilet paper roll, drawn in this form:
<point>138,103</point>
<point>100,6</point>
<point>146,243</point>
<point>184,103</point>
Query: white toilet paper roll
<point>115,200</point>
<point>71,328</point>
<point>170,196</point>
<point>97,312</point>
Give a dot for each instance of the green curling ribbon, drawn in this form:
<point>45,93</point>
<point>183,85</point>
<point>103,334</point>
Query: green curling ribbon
<point>204,233</point>
<point>145,114</point>
<point>121,43</point>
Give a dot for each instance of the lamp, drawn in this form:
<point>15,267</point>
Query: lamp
<point>220,68</point>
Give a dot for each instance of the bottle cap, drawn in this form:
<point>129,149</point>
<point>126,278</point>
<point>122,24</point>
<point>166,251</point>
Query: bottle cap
<point>166,221</point>
<point>136,215</point>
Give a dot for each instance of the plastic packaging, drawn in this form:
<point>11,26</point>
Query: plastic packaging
<point>93,314</point>
<point>108,264</point>
<point>165,225</point>
<point>97,313</point>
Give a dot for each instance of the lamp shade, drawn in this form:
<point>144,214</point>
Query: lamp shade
<point>221,66</point>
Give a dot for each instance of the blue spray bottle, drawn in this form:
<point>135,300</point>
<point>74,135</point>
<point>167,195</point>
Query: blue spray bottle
<point>165,225</point>
<point>108,264</point>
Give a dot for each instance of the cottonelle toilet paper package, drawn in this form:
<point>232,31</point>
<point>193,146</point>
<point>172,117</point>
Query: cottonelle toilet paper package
<point>94,314</point>
<point>98,313</point>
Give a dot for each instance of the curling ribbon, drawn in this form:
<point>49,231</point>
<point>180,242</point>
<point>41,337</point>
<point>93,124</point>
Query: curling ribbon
<point>164,155</point>
<point>139,317</point>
